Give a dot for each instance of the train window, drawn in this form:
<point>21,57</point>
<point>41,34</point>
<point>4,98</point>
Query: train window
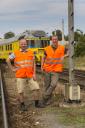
<point>6,47</point>
<point>10,46</point>
<point>28,43</point>
<point>2,48</point>
<point>42,43</point>
<point>48,42</point>
<point>45,43</point>
<point>37,43</point>
<point>31,44</point>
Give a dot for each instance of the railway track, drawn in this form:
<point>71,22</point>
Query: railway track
<point>78,74</point>
<point>64,76</point>
<point>4,120</point>
<point>1,121</point>
<point>1,114</point>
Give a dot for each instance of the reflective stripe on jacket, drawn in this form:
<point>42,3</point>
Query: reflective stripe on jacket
<point>53,61</point>
<point>24,63</point>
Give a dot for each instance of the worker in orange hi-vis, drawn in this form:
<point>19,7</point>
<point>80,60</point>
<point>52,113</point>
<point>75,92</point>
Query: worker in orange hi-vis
<point>25,71</point>
<point>52,65</point>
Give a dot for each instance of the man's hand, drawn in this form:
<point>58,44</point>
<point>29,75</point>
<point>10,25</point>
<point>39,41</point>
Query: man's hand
<point>62,58</point>
<point>41,68</point>
<point>34,77</point>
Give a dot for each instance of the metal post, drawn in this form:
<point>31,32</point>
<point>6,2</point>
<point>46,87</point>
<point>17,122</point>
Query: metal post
<point>63,31</point>
<point>74,89</point>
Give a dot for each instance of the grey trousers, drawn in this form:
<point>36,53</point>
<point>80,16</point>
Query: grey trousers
<point>50,83</point>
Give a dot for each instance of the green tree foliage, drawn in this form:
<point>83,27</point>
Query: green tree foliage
<point>79,38</point>
<point>58,33</point>
<point>78,35</point>
<point>9,35</point>
<point>66,38</point>
<point>80,43</point>
<point>80,49</point>
<point>39,33</point>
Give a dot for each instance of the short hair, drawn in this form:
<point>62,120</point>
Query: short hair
<point>55,36</point>
<point>21,37</point>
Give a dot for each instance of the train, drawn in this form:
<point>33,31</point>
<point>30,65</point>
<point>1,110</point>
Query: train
<point>37,40</point>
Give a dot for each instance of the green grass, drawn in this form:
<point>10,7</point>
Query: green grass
<point>78,61</point>
<point>69,116</point>
<point>72,116</point>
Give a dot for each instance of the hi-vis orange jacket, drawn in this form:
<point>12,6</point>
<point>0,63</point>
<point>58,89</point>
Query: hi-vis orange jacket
<point>53,62</point>
<point>24,64</point>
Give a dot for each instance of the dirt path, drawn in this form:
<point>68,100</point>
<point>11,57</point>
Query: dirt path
<point>49,120</point>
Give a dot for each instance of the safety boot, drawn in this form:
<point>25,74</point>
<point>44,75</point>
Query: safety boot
<point>23,107</point>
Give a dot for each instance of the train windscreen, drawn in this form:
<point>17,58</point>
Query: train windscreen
<point>38,43</point>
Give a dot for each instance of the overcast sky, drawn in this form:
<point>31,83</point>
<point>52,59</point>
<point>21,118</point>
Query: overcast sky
<point>20,15</point>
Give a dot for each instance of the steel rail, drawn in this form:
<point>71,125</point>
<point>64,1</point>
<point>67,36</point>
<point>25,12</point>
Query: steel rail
<point>5,120</point>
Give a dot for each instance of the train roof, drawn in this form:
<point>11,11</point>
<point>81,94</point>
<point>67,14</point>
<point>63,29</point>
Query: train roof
<point>27,34</point>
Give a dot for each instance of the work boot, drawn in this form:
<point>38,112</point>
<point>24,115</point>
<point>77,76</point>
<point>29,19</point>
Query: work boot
<point>49,102</point>
<point>44,102</point>
<point>41,104</point>
<point>23,107</point>
<point>36,103</point>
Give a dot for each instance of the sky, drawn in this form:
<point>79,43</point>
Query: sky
<point>20,15</point>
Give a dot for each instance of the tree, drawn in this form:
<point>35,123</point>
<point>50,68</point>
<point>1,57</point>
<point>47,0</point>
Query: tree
<point>80,49</point>
<point>9,35</point>
<point>66,37</point>
<point>79,38</point>
<point>79,31</point>
<point>58,33</point>
<point>78,35</point>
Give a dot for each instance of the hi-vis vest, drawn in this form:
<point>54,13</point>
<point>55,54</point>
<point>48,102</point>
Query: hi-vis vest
<point>53,62</point>
<point>24,63</point>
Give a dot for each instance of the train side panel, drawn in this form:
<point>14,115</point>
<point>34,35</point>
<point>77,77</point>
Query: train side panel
<point>36,45</point>
<point>7,49</point>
